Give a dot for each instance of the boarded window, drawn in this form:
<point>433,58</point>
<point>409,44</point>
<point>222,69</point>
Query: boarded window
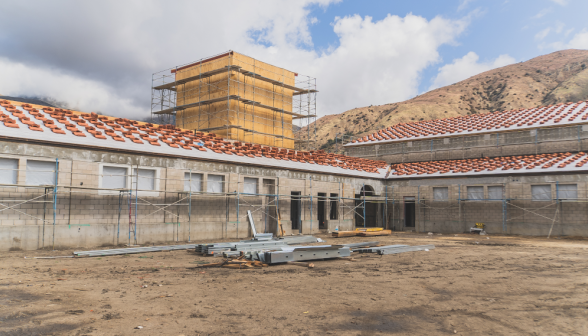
<point>146,179</point>
<point>192,182</point>
<point>567,191</point>
<point>441,193</point>
<point>495,193</point>
<point>9,170</point>
<point>250,185</point>
<point>215,183</point>
<point>40,172</point>
<point>114,177</point>
<point>541,192</point>
<point>475,193</point>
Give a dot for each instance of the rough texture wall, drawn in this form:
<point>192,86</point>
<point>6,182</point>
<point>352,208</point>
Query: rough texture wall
<point>87,215</point>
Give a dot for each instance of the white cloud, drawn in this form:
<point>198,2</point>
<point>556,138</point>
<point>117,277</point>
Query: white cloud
<point>100,55</point>
<point>560,2</point>
<point>466,67</point>
<point>463,4</point>
<point>542,13</point>
<point>79,93</point>
<point>579,41</point>
<point>542,34</point>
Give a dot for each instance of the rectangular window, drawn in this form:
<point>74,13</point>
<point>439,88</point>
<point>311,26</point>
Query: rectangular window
<point>567,191</point>
<point>441,193</point>
<point>334,207</point>
<point>541,192</point>
<point>40,172</point>
<point>114,177</point>
<point>196,182</point>
<point>475,193</point>
<point>215,183</point>
<point>495,193</point>
<point>146,179</point>
<point>250,185</point>
<point>8,171</point>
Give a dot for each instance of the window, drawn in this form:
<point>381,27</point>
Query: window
<point>475,193</point>
<point>541,192</point>
<point>146,179</point>
<point>196,181</point>
<point>114,177</point>
<point>567,191</point>
<point>250,185</point>
<point>441,193</point>
<point>215,183</point>
<point>334,207</point>
<point>8,171</point>
<point>495,193</point>
<point>40,172</point>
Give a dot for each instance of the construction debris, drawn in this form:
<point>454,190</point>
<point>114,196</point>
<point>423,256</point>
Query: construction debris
<point>393,249</point>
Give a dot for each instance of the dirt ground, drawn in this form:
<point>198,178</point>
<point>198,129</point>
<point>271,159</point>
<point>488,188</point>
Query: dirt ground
<point>467,285</point>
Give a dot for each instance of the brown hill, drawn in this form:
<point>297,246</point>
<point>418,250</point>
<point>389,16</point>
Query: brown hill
<point>561,76</point>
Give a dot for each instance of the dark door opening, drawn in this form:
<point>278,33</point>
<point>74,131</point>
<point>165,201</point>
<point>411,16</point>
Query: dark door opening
<point>409,211</point>
<point>271,223</point>
<point>322,209</point>
<point>334,213</point>
<point>371,208</point>
<point>295,209</point>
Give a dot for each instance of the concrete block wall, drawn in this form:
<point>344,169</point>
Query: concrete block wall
<point>88,216</point>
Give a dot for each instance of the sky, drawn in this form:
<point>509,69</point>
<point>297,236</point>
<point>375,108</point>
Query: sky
<point>101,55</point>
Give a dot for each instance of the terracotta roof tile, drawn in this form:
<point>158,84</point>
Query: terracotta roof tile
<point>552,115</point>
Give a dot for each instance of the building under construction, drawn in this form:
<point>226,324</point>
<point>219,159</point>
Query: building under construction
<point>239,98</point>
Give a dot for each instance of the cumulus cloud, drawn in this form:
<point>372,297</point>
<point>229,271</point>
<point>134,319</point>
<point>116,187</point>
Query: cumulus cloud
<point>579,41</point>
<point>100,55</point>
<point>466,67</point>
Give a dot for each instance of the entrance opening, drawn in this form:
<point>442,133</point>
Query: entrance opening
<point>334,213</point>
<point>295,209</point>
<point>409,211</point>
<point>371,208</point>
<point>271,223</point>
<point>322,210</point>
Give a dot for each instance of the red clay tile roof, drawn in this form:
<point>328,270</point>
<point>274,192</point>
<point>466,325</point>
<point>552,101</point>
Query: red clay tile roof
<point>507,164</point>
<point>552,115</point>
<point>60,121</point>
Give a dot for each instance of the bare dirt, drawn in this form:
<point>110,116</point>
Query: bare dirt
<point>467,285</point>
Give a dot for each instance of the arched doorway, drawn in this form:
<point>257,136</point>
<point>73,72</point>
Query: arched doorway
<point>371,208</point>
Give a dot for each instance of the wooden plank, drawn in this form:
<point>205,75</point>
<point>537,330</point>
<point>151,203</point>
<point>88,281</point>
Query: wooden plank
<point>339,234</point>
<point>203,75</point>
<point>375,233</point>
<point>196,104</point>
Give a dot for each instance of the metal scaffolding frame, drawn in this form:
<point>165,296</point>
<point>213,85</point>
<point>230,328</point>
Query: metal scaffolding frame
<point>171,96</point>
<point>132,203</point>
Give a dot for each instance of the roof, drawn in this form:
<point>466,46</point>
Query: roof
<point>26,122</point>
<point>567,114</point>
<point>27,101</point>
<point>538,164</point>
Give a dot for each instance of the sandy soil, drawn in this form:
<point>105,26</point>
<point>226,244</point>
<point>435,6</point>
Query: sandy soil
<point>468,285</point>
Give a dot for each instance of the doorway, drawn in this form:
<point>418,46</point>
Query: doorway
<point>295,209</point>
<point>322,210</point>
<point>371,208</point>
<point>409,211</point>
<point>271,215</point>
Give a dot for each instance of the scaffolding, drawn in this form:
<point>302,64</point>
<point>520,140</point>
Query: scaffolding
<point>240,98</point>
<point>130,210</point>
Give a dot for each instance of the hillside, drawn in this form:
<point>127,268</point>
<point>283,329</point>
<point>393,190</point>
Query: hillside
<point>561,76</point>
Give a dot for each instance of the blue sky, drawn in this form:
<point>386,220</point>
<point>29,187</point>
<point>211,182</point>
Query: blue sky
<point>100,55</point>
<point>497,27</point>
